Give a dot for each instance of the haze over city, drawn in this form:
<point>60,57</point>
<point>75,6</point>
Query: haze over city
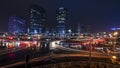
<point>102,14</point>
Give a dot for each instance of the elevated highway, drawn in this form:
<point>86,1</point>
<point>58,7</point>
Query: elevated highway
<point>67,61</point>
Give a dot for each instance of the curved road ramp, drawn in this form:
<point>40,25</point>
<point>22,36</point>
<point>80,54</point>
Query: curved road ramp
<point>67,61</point>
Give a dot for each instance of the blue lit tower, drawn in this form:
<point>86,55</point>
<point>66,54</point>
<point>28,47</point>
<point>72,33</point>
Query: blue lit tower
<point>61,18</point>
<point>37,19</point>
<point>16,25</point>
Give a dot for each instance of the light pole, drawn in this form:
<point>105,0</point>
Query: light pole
<point>90,49</point>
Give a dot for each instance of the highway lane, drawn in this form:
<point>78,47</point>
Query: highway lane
<point>58,47</point>
<point>62,48</point>
<point>6,51</point>
<point>17,55</point>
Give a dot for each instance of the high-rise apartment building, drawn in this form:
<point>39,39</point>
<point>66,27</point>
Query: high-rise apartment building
<point>61,20</point>
<point>37,19</point>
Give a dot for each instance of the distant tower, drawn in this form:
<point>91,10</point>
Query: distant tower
<point>79,29</point>
<point>61,18</point>
<point>37,19</point>
<point>16,25</point>
<point>83,28</point>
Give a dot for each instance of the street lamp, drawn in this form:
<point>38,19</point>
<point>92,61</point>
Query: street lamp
<point>113,58</point>
<point>115,33</point>
<point>90,49</point>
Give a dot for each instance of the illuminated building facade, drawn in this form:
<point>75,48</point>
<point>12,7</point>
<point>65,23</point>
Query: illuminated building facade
<point>115,28</point>
<point>61,18</point>
<point>16,25</point>
<point>37,19</point>
<point>85,28</point>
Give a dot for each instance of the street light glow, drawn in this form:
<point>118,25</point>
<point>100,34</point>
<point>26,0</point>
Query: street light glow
<point>114,57</point>
<point>115,33</point>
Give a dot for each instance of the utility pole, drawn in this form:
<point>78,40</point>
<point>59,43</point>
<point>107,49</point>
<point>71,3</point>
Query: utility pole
<point>79,29</point>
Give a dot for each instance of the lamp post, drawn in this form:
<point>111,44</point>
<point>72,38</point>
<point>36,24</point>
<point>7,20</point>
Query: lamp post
<point>90,49</point>
<point>27,58</point>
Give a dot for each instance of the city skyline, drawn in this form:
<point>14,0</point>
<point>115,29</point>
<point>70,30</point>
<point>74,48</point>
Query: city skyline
<point>96,13</point>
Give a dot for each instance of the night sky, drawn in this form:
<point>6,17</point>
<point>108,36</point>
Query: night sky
<point>100,14</point>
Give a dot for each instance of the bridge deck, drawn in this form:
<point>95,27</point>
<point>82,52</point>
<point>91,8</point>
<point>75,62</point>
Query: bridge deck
<point>62,58</point>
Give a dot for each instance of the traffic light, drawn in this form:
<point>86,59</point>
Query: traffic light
<point>29,37</point>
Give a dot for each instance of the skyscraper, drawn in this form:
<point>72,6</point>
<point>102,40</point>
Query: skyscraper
<point>37,19</point>
<point>61,18</point>
<point>16,25</point>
